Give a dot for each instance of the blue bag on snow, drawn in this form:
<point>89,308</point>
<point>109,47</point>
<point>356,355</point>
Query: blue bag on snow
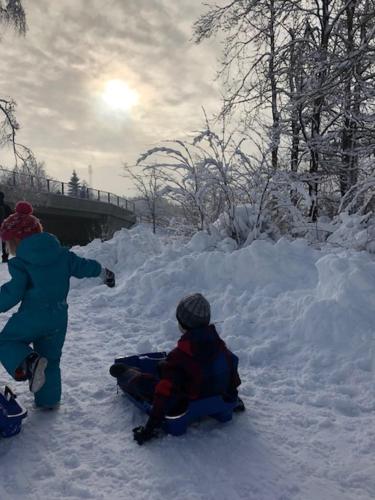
<point>11,414</point>
<point>214,406</point>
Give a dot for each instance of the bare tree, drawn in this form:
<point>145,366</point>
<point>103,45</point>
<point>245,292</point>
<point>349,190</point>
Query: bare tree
<point>253,60</point>
<point>12,15</point>
<point>358,132</point>
<point>28,179</point>
<point>149,185</point>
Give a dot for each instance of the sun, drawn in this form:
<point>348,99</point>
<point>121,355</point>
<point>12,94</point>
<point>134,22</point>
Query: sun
<point>118,95</point>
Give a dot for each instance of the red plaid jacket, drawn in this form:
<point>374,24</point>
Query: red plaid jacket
<point>200,366</point>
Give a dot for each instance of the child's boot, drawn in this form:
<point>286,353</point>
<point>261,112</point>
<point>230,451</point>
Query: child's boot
<point>118,369</point>
<point>47,408</point>
<point>36,366</point>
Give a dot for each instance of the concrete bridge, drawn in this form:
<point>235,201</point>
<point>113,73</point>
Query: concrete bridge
<point>75,220</point>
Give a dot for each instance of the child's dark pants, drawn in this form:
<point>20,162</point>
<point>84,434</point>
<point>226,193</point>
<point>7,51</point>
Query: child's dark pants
<point>142,386</point>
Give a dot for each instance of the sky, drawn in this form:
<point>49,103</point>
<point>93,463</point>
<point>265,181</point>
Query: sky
<point>71,117</point>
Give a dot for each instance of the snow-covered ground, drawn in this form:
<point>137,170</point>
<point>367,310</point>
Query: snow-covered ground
<point>302,323</point>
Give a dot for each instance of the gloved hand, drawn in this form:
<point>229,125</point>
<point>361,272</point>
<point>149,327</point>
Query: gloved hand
<point>142,434</point>
<point>108,277</point>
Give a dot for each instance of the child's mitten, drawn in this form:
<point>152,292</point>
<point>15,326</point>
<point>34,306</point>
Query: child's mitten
<point>142,434</point>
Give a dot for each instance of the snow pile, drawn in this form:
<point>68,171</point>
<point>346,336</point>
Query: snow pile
<point>126,251</point>
<point>345,231</point>
<point>354,231</point>
<point>300,320</point>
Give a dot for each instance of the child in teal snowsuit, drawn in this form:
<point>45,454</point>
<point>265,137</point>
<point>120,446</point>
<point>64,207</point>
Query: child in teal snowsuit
<point>40,274</point>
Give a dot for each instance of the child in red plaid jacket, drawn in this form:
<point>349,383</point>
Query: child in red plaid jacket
<point>199,366</point>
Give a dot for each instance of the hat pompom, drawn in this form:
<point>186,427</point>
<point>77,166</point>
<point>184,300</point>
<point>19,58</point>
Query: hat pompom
<point>24,208</point>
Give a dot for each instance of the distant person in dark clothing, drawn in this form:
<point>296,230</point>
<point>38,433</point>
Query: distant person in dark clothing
<point>5,211</point>
<point>199,366</point>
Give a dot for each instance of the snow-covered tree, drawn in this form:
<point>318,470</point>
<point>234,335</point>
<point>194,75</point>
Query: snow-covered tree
<point>309,66</point>
<point>31,175</point>
<point>181,171</point>
<point>252,66</point>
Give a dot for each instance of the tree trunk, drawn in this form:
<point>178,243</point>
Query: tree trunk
<point>275,133</point>
<point>294,120</point>
<point>349,159</point>
<point>317,109</point>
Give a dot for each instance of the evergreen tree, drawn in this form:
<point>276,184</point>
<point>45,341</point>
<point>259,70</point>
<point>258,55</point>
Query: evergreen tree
<point>74,185</point>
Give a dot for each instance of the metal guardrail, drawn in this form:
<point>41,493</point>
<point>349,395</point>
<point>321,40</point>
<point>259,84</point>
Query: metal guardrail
<point>35,184</point>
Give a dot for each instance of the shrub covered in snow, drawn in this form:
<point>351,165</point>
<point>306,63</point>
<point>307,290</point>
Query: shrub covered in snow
<point>354,231</point>
<point>248,224</point>
<point>225,188</point>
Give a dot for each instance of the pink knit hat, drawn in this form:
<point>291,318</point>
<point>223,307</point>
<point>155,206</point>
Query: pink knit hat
<point>21,224</point>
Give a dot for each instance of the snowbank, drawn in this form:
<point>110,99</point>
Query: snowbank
<point>327,297</point>
<point>300,320</point>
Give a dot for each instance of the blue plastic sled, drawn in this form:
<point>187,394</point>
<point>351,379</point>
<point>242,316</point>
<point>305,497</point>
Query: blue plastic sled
<point>214,406</point>
<point>11,414</point>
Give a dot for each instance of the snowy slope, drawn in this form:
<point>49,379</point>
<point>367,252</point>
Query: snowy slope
<point>302,323</point>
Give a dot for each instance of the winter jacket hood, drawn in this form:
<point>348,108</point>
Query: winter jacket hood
<point>41,249</point>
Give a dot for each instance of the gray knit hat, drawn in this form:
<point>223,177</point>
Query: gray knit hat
<point>193,311</point>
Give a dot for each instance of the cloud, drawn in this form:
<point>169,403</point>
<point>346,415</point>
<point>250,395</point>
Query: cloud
<point>73,47</point>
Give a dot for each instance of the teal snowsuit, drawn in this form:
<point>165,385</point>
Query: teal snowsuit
<point>40,275</point>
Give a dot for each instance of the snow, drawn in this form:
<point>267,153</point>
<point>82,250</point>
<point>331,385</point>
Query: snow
<point>354,231</point>
<point>301,322</point>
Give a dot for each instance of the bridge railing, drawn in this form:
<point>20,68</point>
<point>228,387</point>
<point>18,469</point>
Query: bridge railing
<point>26,183</point>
